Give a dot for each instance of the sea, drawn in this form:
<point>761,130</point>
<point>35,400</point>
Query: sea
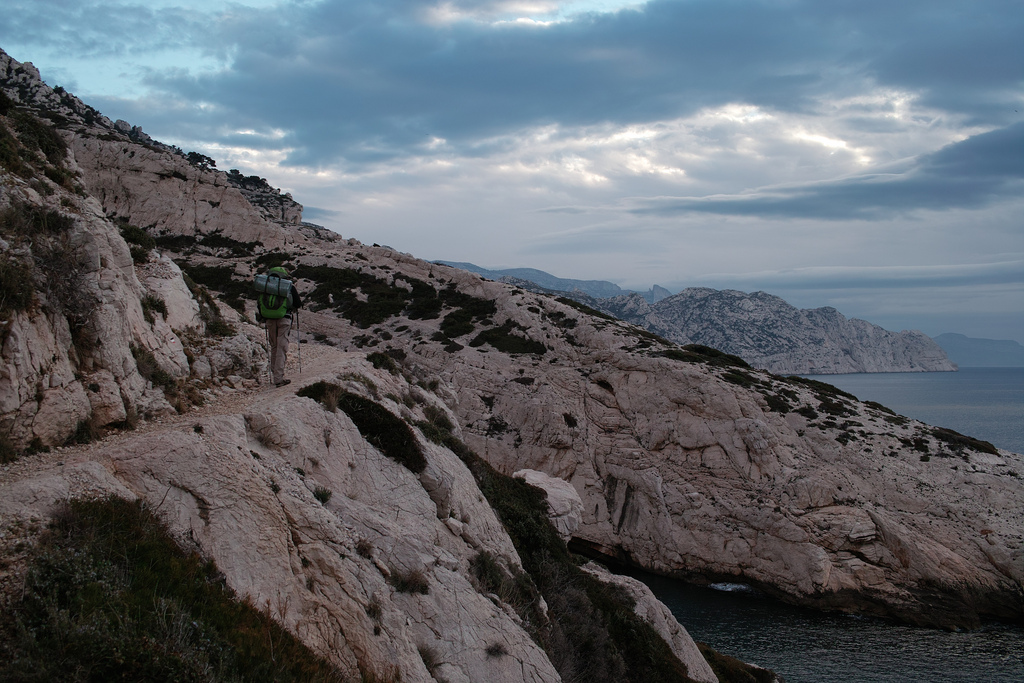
<point>806,646</point>
<point>985,403</point>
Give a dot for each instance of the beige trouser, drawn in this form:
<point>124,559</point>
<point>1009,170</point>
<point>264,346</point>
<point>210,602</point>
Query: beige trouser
<point>277,331</point>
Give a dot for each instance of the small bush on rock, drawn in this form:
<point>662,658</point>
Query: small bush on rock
<point>388,433</point>
<point>110,596</point>
<point>414,581</point>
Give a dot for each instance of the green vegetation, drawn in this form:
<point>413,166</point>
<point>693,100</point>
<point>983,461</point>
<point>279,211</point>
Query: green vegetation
<point>468,311</point>
<point>39,136</point>
<point>140,242</point>
<point>879,407</point>
<point>383,361</point>
<point>339,289</point>
<point>222,279</point>
<point>33,222</point>
<point>740,378</point>
<point>322,494</point>
<point>151,371</point>
<point>216,241</point>
<point>29,144</point>
<point>272,259</point>
<point>583,308</point>
<point>591,632</point>
<point>503,339</point>
<point>733,670</point>
<point>15,285</point>
<point>389,434</point>
<point>414,581</point>
<point>178,243</point>
<point>109,596</point>
<point>822,388</point>
<point>958,442</point>
<point>698,353</point>
<point>777,404</point>
<point>153,304</point>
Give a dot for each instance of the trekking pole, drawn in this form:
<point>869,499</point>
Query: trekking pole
<point>298,339</point>
<point>270,352</point>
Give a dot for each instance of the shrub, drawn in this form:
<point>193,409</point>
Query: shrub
<point>272,259</point>
<point>414,581</point>
<point>8,453</point>
<point>383,361</point>
<point>30,221</point>
<point>140,242</point>
<point>175,242</point>
<point>216,241</point>
<point>322,494</point>
<point>109,596</point>
<point>386,432</point>
<point>150,370</point>
<point>496,650</point>
<point>958,442</point>
<point>503,339</point>
<point>740,378</point>
<point>153,304</point>
<point>591,632</point>
<point>222,279</point>
<point>777,403</point>
<point>438,417</point>
<point>584,308</point>
<point>338,288</point>
<point>15,285</point>
<point>819,387</point>
<point>699,353</point>
<point>731,670</point>
<point>38,135</point>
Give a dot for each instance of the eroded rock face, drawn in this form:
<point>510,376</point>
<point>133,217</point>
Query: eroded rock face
<point>683,465</point>
<point>69,362</point>
<point>693,469</point>
<point>771,334</point>
<point>240,487</point>
<point>565,509</point>
<point>654,612</point>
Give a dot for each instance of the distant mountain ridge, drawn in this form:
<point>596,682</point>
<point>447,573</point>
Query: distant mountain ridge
<point>972,352</point>
<point>762,329</point>
<point>599,289</point>
<point>771,334</point>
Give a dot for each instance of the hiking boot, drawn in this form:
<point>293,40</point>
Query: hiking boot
<point>282,383</point>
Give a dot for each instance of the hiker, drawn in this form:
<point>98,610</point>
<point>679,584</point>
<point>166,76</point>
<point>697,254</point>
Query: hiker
<point>275,311</point>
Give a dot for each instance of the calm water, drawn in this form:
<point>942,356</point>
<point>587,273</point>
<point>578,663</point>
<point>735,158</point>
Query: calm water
<point>986,403</point>
<point>805,646</point>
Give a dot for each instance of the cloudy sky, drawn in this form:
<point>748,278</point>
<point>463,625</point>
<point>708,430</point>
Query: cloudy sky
<point>864,154</point>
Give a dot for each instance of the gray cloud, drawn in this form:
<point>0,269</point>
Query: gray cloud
<point>879,277</point>
<point>364,82</point>
<point>968,174</point>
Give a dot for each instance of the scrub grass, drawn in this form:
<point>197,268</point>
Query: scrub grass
<point>382,429</point>
<point>110,597</point>
<point>590,632</point>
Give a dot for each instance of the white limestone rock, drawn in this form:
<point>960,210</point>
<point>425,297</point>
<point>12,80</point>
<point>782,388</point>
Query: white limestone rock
<point>769,333</point>
<point>661,619</point>
<point>565,508</point>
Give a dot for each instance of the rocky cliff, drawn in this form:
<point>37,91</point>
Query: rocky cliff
<point>773,335</point>
<point>685,461</point>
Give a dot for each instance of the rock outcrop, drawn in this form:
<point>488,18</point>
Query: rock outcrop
<point>688,463</point>
<point>303,516</point>
<point>771,334</point>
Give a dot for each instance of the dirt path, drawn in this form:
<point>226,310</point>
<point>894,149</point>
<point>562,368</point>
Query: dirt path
<point>19,534</point>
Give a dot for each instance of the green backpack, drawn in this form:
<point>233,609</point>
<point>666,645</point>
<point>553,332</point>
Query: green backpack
<point>275,293</point>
